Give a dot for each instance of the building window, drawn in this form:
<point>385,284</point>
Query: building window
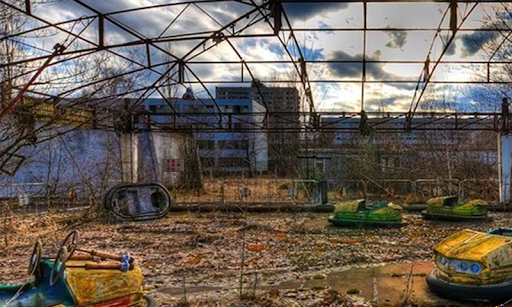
<point>205,144</point>
<point>234,144</point>
<point>226,145</point>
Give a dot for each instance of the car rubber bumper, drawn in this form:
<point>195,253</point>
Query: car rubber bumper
<point>501,291</point>
<point>364,223</point>
<point>453,217</point>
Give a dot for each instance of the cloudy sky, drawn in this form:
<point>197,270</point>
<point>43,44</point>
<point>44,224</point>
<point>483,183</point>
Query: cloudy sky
<point>332,93</point>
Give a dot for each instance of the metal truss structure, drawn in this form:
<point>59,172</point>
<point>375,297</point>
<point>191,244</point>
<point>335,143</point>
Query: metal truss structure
<point>339,122</point>
<point>261,19</point>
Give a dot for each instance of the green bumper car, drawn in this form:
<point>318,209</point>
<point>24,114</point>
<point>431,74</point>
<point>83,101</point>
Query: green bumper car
<point>448,208</point>
<point>357,214</point>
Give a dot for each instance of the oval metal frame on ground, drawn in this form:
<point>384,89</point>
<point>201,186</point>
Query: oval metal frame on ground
<point>107,202</point>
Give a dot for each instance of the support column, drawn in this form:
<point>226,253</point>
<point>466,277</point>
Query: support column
<point>130,157</point>
<point>505,166</point>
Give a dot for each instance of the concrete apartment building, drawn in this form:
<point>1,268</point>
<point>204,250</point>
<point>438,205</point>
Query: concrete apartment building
<point>283,148</point>
<point>221,152</point>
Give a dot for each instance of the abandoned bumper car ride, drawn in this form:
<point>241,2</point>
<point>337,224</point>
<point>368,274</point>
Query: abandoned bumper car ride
<point>358,213</point>
<point>90,278</point>
<point>448,208</point>
<point>474,265</point>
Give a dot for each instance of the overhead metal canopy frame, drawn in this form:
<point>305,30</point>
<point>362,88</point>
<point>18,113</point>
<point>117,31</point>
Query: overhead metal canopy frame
<point>159,66</point>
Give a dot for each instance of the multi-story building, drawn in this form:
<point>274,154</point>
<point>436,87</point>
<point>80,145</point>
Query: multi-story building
<point>277,99</point>
<point>283,147</point>
<point>221,151</point>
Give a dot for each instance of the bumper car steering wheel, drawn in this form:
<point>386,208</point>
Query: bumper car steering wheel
<point>59,265</point>
<point>35,259</point>
<point>66,250</point>
<point>71,243</point>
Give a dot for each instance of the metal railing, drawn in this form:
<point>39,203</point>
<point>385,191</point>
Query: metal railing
<point>414,191</point>
<point>38,197</point>
<point>267,191</point>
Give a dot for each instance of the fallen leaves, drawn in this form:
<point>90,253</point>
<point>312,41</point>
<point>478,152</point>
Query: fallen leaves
<point>255,247</point>
<point>343,241</point>
<point>192,261</point>
<point>319,249</point>
<point>206,247</point>
<point>280,236</point>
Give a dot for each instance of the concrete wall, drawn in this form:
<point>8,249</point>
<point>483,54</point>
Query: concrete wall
<point>168,146</point>
<point>90,156</point>
<point>92,153</point>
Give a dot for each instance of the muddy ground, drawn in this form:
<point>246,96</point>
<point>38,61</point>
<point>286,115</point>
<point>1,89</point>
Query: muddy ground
<point>297,259</point>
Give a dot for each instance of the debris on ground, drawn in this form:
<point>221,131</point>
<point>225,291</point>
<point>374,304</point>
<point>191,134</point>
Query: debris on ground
<point>202,252</point>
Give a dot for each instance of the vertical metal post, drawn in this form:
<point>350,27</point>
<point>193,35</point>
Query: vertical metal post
<point>129,150</point>
<point>505,155</point>
<point>365,25</point>
<point>453,16</point>
<point>242,71</point>
<point>148,55</point>
<point>303,71</point>
<point>181,72</point>
<point>488,72</point>
<point>101,31</point>
<point>277,14</point>
<point>426,70</point>
<point>28,10</point>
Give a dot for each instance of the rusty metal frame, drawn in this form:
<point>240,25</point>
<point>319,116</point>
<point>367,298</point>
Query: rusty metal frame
<point>261,12</point>
<point>379,122</point>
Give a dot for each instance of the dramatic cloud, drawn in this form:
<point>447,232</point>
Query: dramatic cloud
<point>474,42</point>
<point>310,10</point>
<point>398,39</point>
<point>387,103</point>
<point>395,45</point>
<point>354,70</point>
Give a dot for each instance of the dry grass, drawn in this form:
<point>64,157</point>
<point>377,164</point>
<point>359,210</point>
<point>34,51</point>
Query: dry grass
<point>261,190</point>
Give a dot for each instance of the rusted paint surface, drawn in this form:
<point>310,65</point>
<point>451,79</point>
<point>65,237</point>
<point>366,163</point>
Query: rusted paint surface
<point>493,252</point>
<point>357,210</point>
<point>352,205</point>
<point>437,201</point>
<point>450,205</point>
<point>94,286</point>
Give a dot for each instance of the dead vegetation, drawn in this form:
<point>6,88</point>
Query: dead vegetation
<point>201,253</point>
